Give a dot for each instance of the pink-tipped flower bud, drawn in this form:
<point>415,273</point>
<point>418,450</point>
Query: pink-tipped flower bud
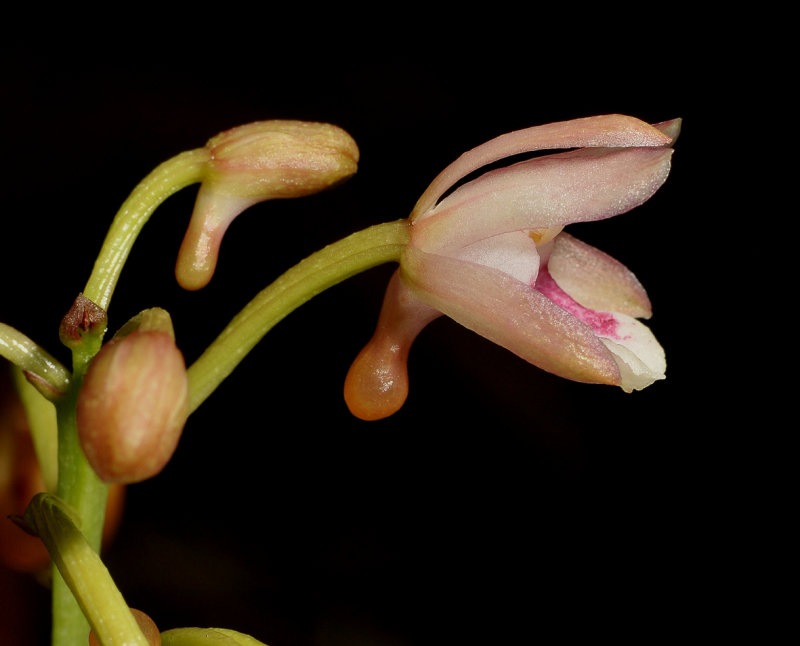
<point>256,162</point>
<point>134,401</point>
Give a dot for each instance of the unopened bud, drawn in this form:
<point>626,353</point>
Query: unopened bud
<point>256,162</point>
<point>133,404</point>
<point>84,318</point>
<point>274,159</point>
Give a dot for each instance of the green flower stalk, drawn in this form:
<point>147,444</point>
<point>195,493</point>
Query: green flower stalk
<point>43,425</point>
<point>79,485</point>
<point>42,369</point>
<point>491,254</point>
<point>146,624</point>
<point>85,574</point>
<point>358,252</point>
<point>237,168</point>
<point>174,174</point>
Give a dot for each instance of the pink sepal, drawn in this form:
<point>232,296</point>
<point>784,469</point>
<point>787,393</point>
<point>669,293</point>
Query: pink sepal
<point>579,186</point>
<point>596,280</point>
<point>511,314</point>
<point>610,130</point>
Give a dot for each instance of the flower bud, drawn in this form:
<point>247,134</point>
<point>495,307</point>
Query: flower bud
<point>133,403</point>
<point>84,319</point>
<point>253,163</point>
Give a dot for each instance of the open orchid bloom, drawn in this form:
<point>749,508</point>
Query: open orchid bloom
<point>491,255</point>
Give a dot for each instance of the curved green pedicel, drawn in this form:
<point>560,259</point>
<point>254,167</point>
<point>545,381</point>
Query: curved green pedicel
<point>168,178</point>
<point>85,574</point>
<point>50,377</point>
<point>358,252</point>
<point>43,425</point>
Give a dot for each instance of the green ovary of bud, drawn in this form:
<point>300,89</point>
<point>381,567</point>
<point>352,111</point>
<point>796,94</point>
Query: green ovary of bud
<point>133,405</point>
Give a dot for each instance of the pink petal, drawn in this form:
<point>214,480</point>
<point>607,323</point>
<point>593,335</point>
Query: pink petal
<point>595,279</point>
<point>578,186</point>
<point>511,314</point>
<point>512,253</point>
<point>612,130</point>
<point>671,128</point>
<point>639,356</point>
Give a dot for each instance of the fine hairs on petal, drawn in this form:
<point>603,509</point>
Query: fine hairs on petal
<point>580,186</point>
<point>611,130</point>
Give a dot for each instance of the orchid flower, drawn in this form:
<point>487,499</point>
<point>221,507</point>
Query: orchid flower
<point>492,255</point>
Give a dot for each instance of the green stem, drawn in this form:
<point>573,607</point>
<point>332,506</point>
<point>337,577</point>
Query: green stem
<point>356,253</point>
<point>84,575</point>
<point>52,378</point>
<point>83,491</point>
<point>41,416</point>
<point>168,178</point>
<point>78,485</point>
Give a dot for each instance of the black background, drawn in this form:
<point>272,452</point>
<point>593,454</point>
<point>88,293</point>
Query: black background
<point>501,503</point>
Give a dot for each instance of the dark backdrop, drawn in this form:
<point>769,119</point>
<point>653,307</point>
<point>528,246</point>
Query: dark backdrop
<point>501,502</point>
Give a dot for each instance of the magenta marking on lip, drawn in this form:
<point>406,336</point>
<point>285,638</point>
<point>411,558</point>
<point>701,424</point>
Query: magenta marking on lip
<point>603,323</point>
